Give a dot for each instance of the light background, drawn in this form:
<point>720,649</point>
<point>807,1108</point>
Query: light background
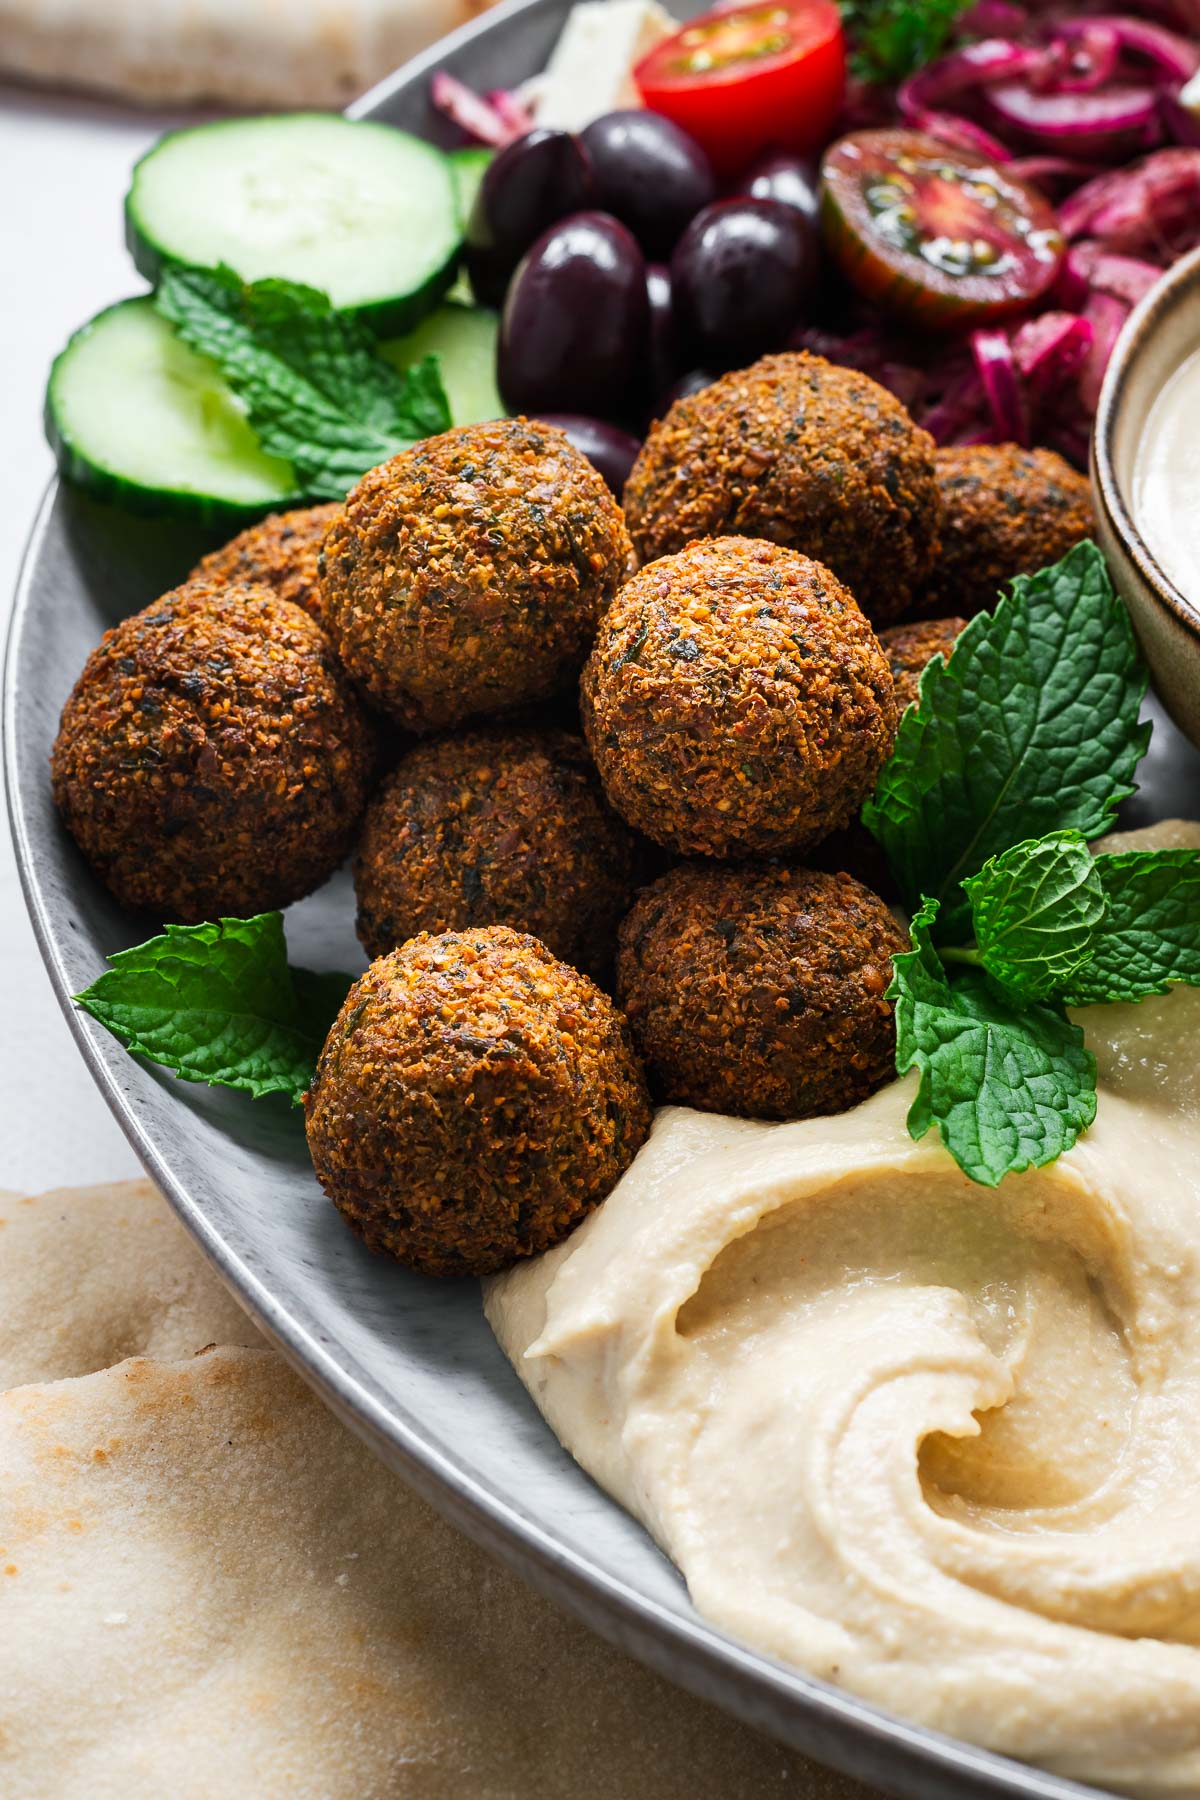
<point>64,165</point>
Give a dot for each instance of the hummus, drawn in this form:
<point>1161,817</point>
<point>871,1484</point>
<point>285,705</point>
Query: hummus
<point>936,1443</point>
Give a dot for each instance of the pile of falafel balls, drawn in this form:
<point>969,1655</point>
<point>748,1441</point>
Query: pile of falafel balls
<point>627,752</point>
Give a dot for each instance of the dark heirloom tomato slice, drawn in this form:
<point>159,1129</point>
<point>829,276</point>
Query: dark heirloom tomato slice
<point>741,78</point>
<point>937,235</point>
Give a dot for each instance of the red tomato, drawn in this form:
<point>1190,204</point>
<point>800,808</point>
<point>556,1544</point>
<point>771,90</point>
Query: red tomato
<point>745,77</point>
<point>935,234</point>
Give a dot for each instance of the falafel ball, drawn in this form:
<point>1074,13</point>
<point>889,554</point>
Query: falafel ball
<point>1005,512</point>
<point>910,648</point>
<point>736,701</point>
<point>466,576</point>
<point>760,991</point>
<point>280,552</point>
<point>496,828</point>
<point>212,758</point>
<point>803,453</point>
<point>475,1099</point>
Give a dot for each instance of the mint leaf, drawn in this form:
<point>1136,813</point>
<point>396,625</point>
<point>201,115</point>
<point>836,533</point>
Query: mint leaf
<point>1151,933</point>
<point>315,389</point>
<point>218,1003</point>
<point>1008,1087</point>
<point>1036,910</point>
<point>891,38</point>
<point>1032,727</point>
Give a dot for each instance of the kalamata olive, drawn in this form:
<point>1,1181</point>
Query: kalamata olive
<point>741,275</point>
<point>612,451</point>
<point>649,173</point>
<point>533,181</point>
<point>789,179</point>
<point>573,332</point>
<point>662,361</point>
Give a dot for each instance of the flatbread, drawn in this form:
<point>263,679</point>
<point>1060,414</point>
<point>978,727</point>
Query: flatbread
<point>208,1586</point>
<point>89,1276</point>
<point>272,53</point>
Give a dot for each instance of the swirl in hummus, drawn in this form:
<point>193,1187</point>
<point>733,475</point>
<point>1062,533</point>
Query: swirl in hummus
<point>931,1441</point>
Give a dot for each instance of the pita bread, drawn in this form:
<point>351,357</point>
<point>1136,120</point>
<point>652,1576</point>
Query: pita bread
<point>210,1587</point>
<point>178,52</point>
<point>89,1276</point>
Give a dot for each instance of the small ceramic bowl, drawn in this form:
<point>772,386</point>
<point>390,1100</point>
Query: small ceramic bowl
<point>1161,332</point>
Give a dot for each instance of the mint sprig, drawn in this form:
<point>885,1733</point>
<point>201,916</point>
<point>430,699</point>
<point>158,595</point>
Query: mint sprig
<point>1031,727</point>
<point>219,1003</point>
<point>1009,1086</point>
<point>1151,932</point>
<point>890,39</point>
<point>1018,752</point>
<point>1036,910</point>
<point>314,386</point>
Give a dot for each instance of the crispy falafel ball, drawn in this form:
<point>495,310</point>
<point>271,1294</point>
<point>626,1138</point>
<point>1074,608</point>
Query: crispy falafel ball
<point>496,828</point>
<point>804,453</point>
<point>475,1099</point>
<point>1005,512</point>
<point>736,701</point>
<point>280,552</point>
<point>212,758</point>
<point>910,649</point>
<point>759,991</point>
<point>466,576</point>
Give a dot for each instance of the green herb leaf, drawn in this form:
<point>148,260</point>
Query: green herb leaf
<point>315,389</point>
<point>889,39</point>
<point>1151,933</point>
<point>1008,1087</point>
<point>1032,727</point>
<point>219,1003</point>
<point>1036,910</point>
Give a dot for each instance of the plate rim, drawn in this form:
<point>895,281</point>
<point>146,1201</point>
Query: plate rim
<point>690,1653</point>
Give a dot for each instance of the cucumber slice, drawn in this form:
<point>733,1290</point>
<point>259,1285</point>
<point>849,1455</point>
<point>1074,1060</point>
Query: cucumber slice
<point>362,210</point>
<point>135,416</point>
<point>463,338</point>
<point>467,168</point>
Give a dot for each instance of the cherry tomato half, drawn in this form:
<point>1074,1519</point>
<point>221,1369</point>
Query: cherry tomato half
<point>937,235</point>
<point>745,77</point>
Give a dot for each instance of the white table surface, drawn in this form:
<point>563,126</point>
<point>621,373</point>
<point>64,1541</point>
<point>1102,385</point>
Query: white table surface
<point>64,165</point>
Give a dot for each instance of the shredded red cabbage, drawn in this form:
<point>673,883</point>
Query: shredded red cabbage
<point>1107,314</point>
<point>1094,86</point>
<point>1063,97</point>
<point>1089,266</point>
<point>1150,209</point>
<point>1053,174</point>
<point>962,71</point>
<point>481,119</point>
<point>994,359</point>
<point>513,111</point>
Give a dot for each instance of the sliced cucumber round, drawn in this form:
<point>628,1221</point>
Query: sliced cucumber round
<point>364,211</point>
<point>463,338</point>
<point>136,417</point>
<point>468,168</point>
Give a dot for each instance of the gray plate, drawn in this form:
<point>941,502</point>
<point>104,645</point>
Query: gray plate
<point>408,1363</point>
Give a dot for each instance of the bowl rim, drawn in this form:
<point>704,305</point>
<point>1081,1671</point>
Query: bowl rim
<point>1178,285</point>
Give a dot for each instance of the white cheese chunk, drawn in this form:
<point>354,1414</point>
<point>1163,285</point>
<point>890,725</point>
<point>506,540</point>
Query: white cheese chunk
<point>1189,96</point>
<point>590,68</point>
